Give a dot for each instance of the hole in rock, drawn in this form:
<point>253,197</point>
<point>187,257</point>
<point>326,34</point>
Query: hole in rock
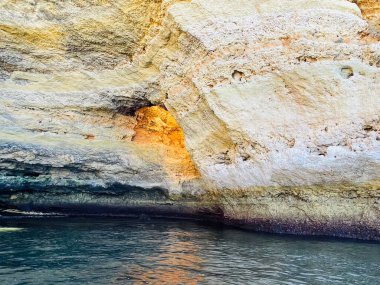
<point>347,72</point>
<point>238,75</point>
<point>89,136</point>
<point>368,128</point>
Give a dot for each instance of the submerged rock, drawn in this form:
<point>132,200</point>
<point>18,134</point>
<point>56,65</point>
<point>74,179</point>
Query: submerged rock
<point>262,114</point>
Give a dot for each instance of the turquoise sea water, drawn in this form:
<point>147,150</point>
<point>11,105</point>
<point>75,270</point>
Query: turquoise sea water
<point>135,251</point>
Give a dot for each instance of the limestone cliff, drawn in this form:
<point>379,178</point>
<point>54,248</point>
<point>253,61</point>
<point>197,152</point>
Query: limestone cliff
<point>264,114</point>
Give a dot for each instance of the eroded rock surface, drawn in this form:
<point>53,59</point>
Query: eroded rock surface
<point>371,11</point>
<point>264,114</point>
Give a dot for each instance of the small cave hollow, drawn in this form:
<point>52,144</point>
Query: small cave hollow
<point>347,72</point>
<point>158,130</point>
<point>238,75</point>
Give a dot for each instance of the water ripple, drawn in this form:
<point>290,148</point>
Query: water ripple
<point>119,251</point>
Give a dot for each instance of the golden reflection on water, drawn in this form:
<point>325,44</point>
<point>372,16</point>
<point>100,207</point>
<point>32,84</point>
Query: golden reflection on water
<point>179,263</point>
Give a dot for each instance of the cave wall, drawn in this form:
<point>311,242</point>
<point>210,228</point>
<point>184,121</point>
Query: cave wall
<point>264,114</point>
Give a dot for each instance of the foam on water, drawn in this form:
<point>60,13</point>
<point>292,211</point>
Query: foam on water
<point>30,213</point>
<point>7,229</point>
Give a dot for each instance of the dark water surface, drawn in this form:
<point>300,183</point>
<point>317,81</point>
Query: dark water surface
<point>132,251</point>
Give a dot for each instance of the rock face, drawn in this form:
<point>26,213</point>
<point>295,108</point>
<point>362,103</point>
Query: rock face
<point>371,11</point>
<point>263,114</point>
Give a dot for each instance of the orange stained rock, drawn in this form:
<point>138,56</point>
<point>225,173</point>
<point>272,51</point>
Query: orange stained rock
<point>89,137</point>
<point>369,38</point>
<point>158,129</point>
<point>369,7</point>
<point>371,11</point>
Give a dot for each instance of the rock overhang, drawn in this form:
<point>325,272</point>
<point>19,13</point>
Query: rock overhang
<point>214,66</point>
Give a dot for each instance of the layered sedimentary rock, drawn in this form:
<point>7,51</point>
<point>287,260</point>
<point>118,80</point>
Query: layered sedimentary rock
<point>264,114</point>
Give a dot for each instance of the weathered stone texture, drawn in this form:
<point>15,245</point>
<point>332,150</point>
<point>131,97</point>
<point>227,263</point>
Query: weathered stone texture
<point>262,113</point>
